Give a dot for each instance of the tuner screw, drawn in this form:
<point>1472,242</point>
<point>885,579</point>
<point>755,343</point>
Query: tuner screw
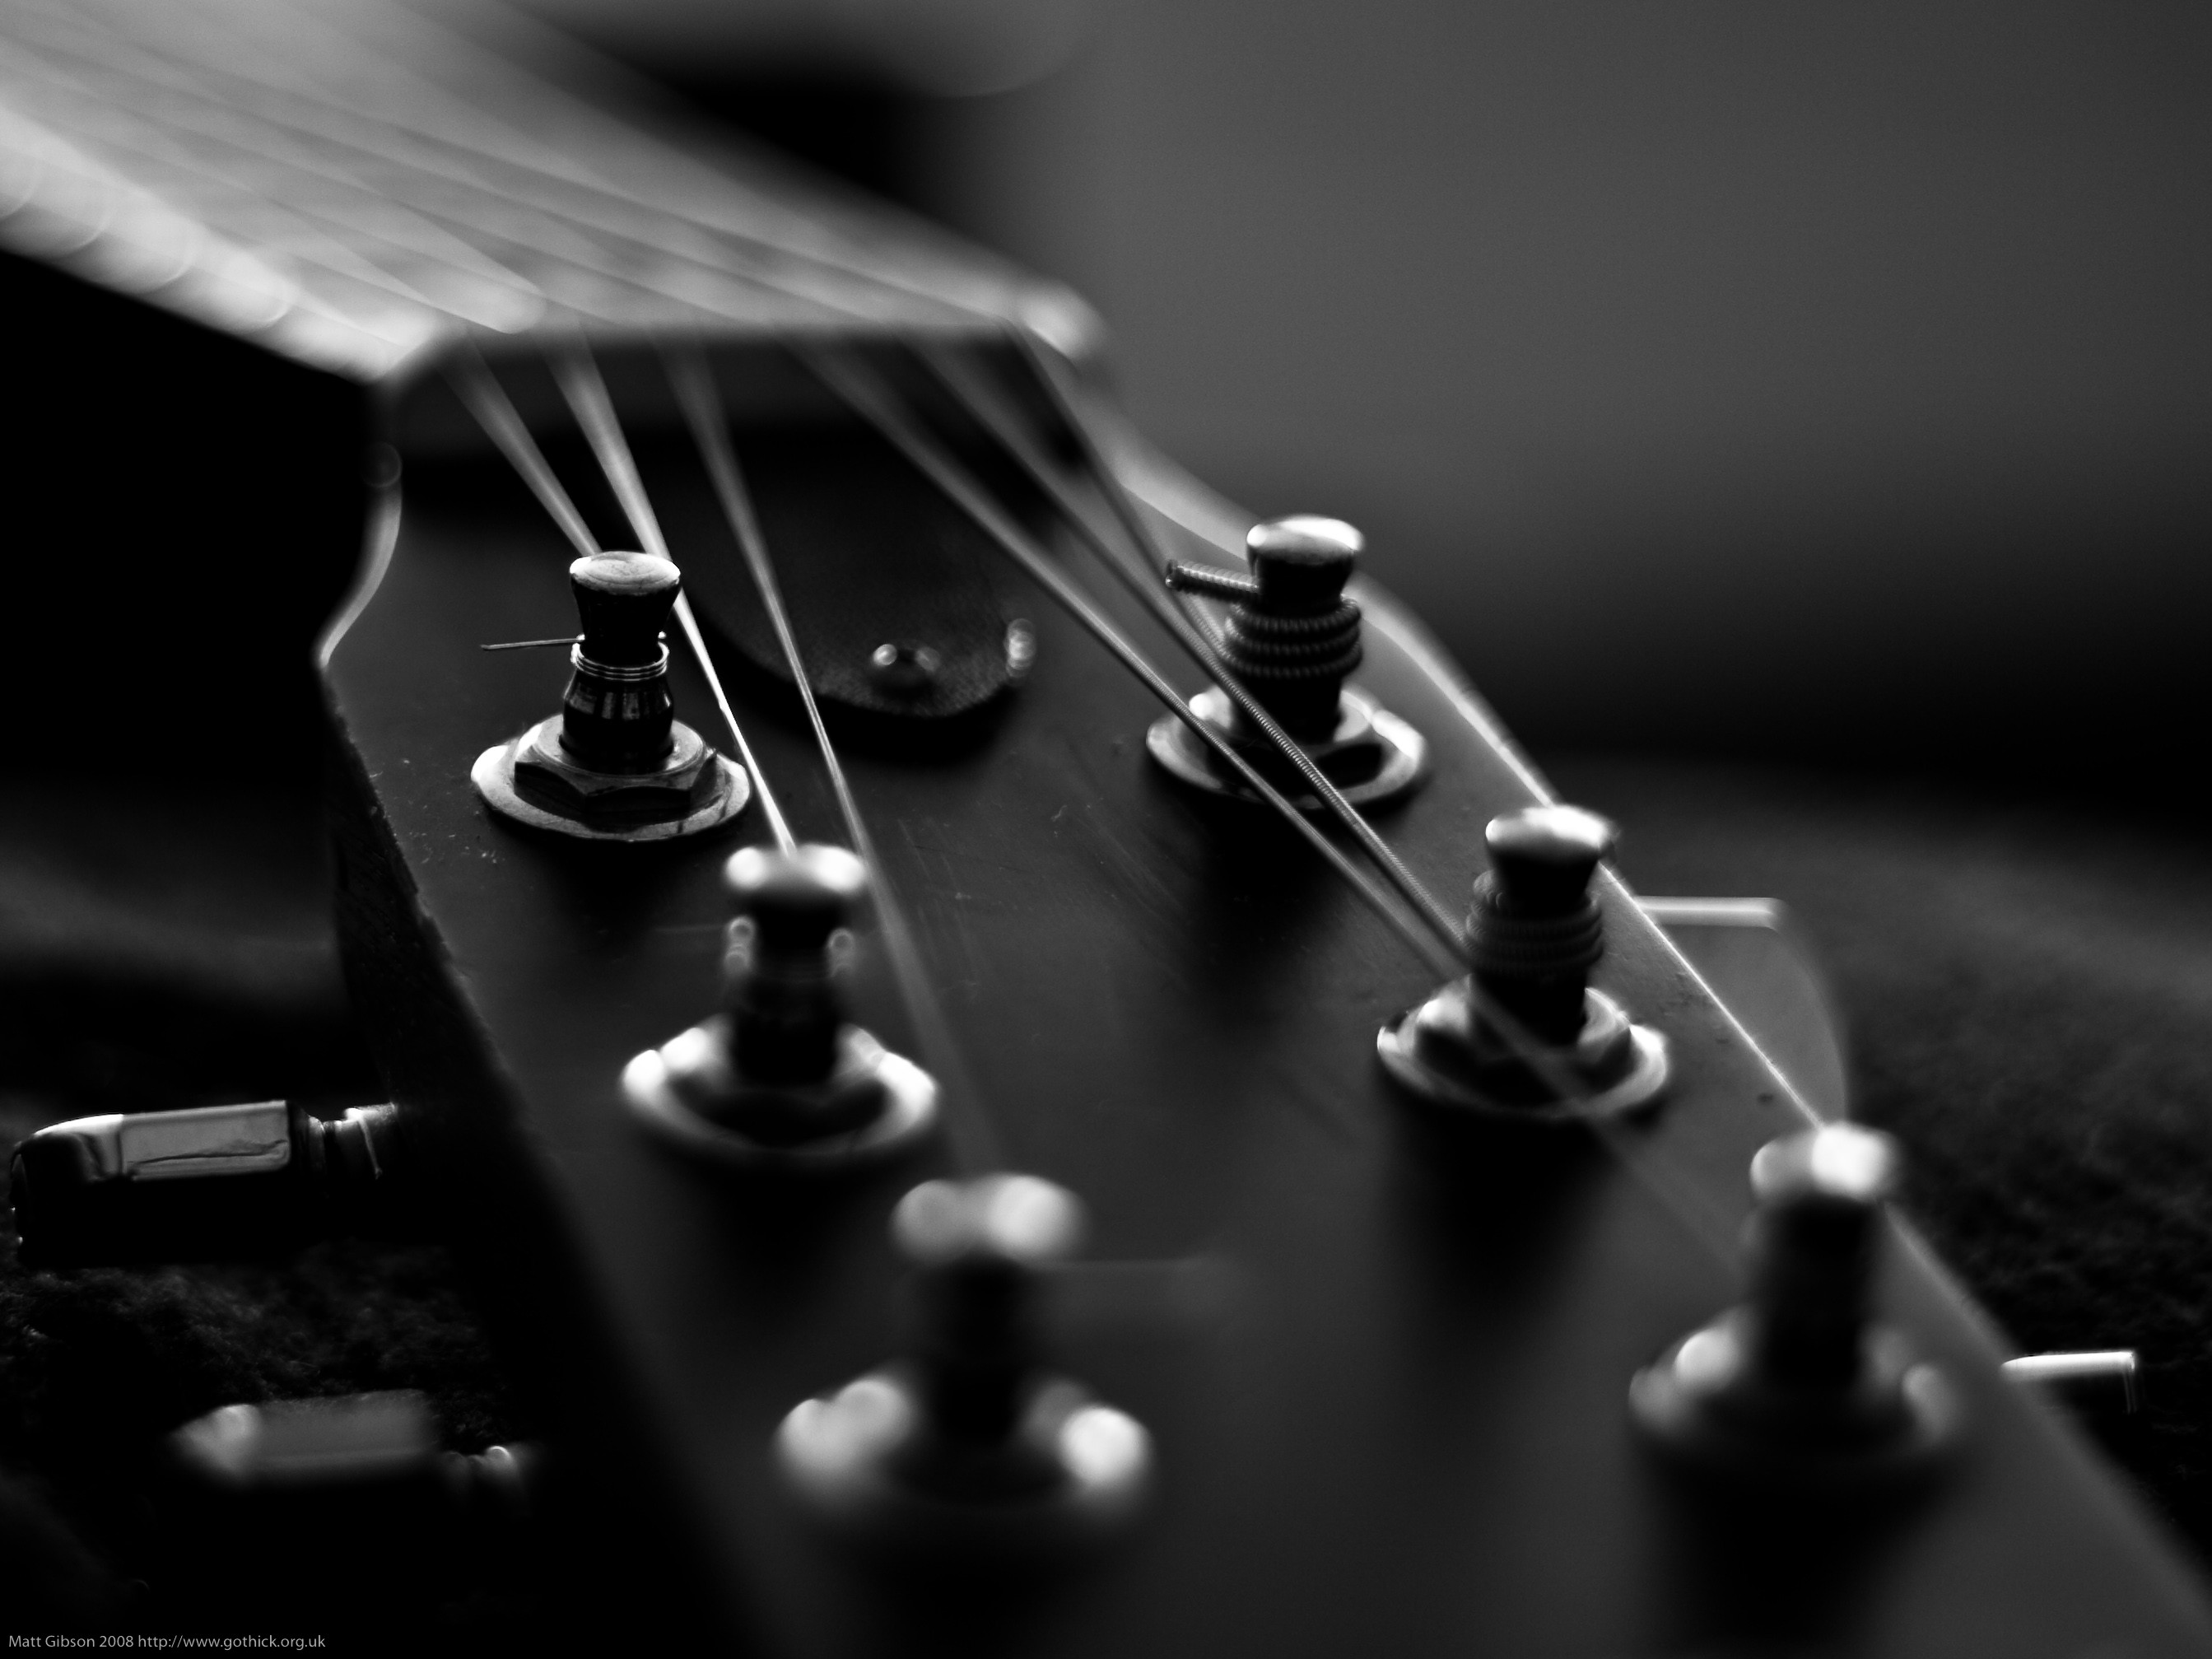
<point>1290,638</point>
<point>1799,1384</point>
<point>1524,1037</point>
<point>615,764</point>
<point>971,1444</point>
<point>781,1078</point>
<point>904,671</point>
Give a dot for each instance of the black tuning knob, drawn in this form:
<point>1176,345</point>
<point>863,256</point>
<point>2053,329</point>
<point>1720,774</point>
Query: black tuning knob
<point>618,713</point>
<point>977,1247</point>
<point>1525,1036</point>
<point>615,764</point>
<point>1800,1383</point>
<point>1534,931</point>
<point>1813,1245</point>
<point>1302,563</point>
<point>781,975</point>
<point>781,1077</point>
<point>623,602</point>
<point>972,1443</point>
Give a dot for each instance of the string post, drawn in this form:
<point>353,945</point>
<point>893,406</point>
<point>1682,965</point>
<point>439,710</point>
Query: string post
<point>1802,1383</point>
<point>1289,638</point>
<point>618,713</point>
<point>1524,1037</point>
<point>616,763</point>
<point>781,1078</point>
<point>973,1442</point>
<point>780,977</point>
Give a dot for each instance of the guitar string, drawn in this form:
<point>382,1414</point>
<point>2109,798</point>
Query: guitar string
<point>1700,1218</point>
<point>585,390</point>
<point>983,405</point>
<point>975,1144</point>
<point>864,392</point>
<point>1676,1194</point>
<point>701,404</point>
<point>1423,905</point>
<point>577,373</point>
<point>1691,1207</point>
<point>860,389</point>
<point>1377,850</point>
<point>480,392</point>
<point>555,500</point>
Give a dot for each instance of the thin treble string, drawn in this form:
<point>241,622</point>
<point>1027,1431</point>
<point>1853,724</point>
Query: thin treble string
<point>701,403</point>
<point>479,389</point>
<point>859,388</point>
<point>577,373</point>
<point>868,396</point>
<point>989,410</point>
<point>1698,1215</point>
<point>975,1144</point>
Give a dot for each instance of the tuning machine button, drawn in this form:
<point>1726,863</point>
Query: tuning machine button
<point>615,764</point>
<point>1524,1037</point>
<point>1290,638</point>
<point>781,1078</point>
<point>971,1444</point>
<point>1799,1384</point>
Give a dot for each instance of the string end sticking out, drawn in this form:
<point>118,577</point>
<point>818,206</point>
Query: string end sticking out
<point>577,374</point>
<point>615,764</point>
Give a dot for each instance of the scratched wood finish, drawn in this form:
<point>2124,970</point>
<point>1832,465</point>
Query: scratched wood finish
<point>1397,1427</point>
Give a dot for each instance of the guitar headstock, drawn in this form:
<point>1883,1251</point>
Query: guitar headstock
<point>854,1394</point>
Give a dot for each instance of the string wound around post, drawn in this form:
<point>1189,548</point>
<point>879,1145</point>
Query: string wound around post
<point>780,1080</point>
<point>1292,638</point>
<point>615,764</point>
<point>1525,1038</point>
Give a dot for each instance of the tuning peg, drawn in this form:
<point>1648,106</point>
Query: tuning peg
<point>615,764</point>
<point>1800,1383</point>
<point>781,1078</point>
<point>1290,639</point>
<point>1525,1037</point>
<point>214,1181</point>
<point>972,1442</point>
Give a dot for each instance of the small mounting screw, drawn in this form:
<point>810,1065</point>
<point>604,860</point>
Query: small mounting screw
<point>904,671</point>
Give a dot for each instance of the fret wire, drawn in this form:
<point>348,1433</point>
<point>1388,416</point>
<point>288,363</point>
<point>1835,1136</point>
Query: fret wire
<point>975,1142</point>
<point>991,412</point>
<point>953,481</point>
<point>578,374</point>
<point>865,392</point>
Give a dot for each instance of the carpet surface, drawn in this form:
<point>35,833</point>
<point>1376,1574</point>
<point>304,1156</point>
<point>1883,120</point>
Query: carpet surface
<point>2027,985</point>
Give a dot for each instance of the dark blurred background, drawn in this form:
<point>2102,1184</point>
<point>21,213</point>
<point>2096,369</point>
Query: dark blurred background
<point>1823,382</point>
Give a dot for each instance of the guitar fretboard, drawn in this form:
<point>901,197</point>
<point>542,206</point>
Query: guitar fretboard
<point>351,182</point>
